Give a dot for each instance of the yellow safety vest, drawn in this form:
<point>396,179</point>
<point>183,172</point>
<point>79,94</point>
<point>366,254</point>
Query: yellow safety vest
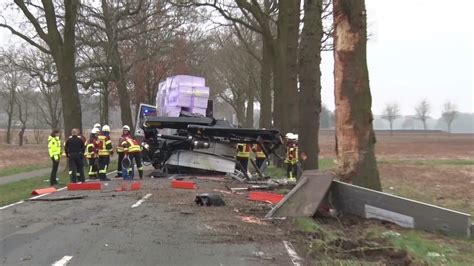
<point>54,146</point>
<point>105,145</point>
<point>243,150</point>
<point>89,153</point>
<point>257,149</point>
<point>291,154</point>
<point>131,145</point>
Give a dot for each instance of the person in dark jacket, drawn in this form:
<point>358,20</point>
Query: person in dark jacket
<point>75,148</point>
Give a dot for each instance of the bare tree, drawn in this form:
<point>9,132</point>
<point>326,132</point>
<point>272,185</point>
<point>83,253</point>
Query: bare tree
<point>422,113</point>
<point>10,80</point>
<point>449,114</point>
<point>53,32</point>
<point>23,102</point>
<point>355,137</point>
<point>390,113</point>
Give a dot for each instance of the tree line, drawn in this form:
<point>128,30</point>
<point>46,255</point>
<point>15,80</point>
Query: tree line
<point>422,113</point>
<point>264,51</point>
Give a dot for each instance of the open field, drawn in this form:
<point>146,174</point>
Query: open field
<point>437,169</point>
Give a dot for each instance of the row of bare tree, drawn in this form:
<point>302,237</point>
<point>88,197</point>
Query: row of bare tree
<point>422,113</point>
<point>249,51</point>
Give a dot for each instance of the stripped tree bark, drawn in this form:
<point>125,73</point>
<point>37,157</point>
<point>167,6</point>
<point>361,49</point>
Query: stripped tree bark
<point>355,138</point>
<point>310,83</point>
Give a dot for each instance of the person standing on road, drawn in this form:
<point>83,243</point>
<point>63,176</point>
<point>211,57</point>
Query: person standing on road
<point>54,148</point>
<point>120,151</point>
<point>75,148</point>
<point>131,148</point>
<point>105,151</point>
<point>91,153</point>
<point>291,158</point>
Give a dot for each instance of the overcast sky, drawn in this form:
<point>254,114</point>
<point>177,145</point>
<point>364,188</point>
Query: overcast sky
<point>418,48</point>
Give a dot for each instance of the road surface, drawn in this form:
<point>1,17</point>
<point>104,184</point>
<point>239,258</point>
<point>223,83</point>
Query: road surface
<point>153,226</point>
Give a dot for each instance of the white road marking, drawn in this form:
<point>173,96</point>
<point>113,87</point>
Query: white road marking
<point>138,203</point>
<point>62,261</point>
<point>295,259</point>
<point>39,196</point>
<point>13,204</point>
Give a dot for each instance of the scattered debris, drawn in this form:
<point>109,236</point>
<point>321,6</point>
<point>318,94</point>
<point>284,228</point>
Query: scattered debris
<point>59,199</point>
<point>42,191</point>
<point>262,255</point>
<point>85,186</point>
<point>186,212</point>
<point>183,184</point>
<point>207,199</point>
<point>252,220</point>
<point>265,197</point>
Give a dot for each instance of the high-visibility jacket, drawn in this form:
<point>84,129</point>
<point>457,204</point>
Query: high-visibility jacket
<point>243,150</point>
<point>291,153</point>
<point>104,145</point>
<point>54,146</point>
<point>119,146</point>
<point>130,145</point>
<point>91,148</point>
<point>257,149</point>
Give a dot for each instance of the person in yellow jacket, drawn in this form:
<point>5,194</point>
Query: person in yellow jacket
<point>242,156</point>
<point>291,156</point>
<point>131,148</point>
<point>54,148</point>
<point>259,155</point>
<point>91,153</point>
<point>105,150</point>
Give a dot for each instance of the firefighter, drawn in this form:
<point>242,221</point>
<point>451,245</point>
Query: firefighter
<point>259,155</point>
<point>243,155</point>
<point>105,150</point>
<point>54,148</point>
<point>291,158</point>
<point>120,151</point>
<point>74,149</point>
<point>91,153</point>
<point>131,148</point>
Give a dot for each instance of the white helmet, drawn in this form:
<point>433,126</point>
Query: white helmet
<point>291,136</point>
<point>126,128</point>
<point>105,128</point>
<point>95,131</point>
<point>97,125</point>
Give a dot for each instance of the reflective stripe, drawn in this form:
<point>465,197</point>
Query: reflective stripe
<point>140,168</point>
<point>105,145</point>
<point>243,150</point>
<point>257,149</point>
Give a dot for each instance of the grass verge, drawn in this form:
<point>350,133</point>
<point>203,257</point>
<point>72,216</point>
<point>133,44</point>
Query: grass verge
<point>20,190</point>
<point>331,242</point>
<point>17,170</point>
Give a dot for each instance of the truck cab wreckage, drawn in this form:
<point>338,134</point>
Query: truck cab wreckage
<point>192,144</point>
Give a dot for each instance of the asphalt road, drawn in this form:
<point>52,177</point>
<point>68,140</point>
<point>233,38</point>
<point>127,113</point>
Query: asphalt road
<point>104,229</point>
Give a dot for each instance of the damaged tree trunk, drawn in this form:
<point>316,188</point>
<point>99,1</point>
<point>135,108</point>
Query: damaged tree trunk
<point>355,138</point>
<point>310,83</point>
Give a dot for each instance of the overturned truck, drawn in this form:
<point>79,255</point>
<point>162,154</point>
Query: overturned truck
<point>197,144</point>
